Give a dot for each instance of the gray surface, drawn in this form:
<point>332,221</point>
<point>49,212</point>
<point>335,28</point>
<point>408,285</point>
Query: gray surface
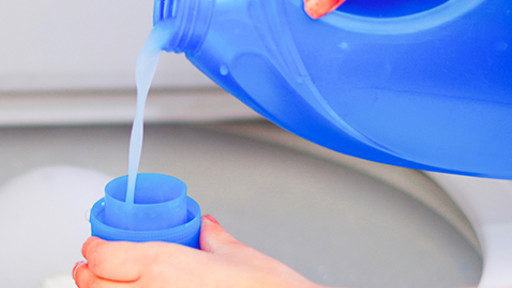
<point>334,225</point>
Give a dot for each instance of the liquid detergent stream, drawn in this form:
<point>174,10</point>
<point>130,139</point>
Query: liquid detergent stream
<point>163,211</point>
<point>147,63</point>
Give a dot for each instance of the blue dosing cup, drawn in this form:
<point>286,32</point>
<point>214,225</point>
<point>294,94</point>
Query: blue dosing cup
<point>161,211</point>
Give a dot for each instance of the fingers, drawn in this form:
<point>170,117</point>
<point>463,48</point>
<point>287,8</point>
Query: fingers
<point>87,244</point>
<point>118,261</point>
<point>128,261</point>
<point>84,278</point>
<point>318,8</point>
<point>213,237</point>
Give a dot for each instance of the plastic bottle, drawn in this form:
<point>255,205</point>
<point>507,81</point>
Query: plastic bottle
<point>161,211</point>
<point>425,84</point>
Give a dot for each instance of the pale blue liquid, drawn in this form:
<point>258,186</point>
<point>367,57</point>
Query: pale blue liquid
<point>144,73</point>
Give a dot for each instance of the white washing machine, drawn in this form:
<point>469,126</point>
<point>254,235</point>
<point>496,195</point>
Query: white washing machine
<point>66,100</point>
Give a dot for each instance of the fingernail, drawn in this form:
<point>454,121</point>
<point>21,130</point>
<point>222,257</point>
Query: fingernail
<point>318,8</point>
<point>78,264</point>
<point>211,219</point>
<point>336,4</point>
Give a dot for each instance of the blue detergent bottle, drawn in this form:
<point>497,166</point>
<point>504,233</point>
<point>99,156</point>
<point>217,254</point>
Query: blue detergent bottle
<point>425,84</point>
<point>161,211</point>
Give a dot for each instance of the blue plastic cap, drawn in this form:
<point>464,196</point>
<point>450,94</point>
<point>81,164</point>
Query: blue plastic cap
<point>162,211</point>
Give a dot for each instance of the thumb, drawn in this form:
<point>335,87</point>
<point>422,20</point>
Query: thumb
<point>214,238</point>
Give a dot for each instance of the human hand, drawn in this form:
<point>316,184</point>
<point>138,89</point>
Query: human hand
<point>221,262</point>
<point>318,8</point>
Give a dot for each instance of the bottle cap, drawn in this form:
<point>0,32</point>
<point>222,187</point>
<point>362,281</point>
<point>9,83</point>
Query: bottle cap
<point>161,211</point>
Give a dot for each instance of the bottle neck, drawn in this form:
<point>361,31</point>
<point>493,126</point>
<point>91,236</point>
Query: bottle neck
<point>188,21</point>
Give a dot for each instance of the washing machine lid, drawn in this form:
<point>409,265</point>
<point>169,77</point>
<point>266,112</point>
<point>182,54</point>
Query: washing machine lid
<point>264,180</point>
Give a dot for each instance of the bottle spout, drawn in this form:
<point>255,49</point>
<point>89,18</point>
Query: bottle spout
<point>186,21</point>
